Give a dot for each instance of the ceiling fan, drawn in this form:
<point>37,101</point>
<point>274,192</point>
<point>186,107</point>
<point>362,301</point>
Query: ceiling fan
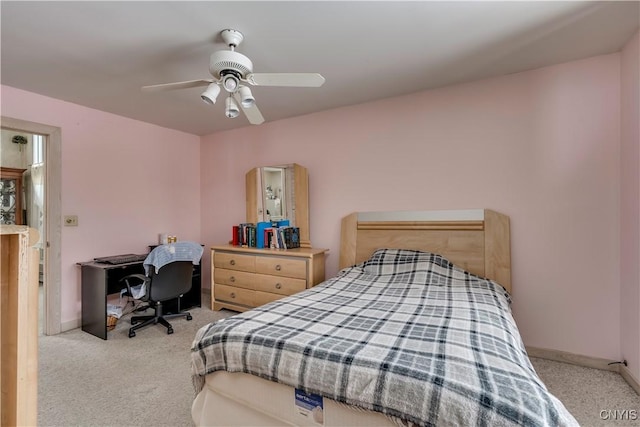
<point>233,72</point>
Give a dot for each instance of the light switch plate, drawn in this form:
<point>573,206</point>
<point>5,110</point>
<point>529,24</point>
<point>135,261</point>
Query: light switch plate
<point>71,220</point>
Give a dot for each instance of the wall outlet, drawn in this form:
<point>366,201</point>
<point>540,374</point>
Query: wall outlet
<point>71,220</point>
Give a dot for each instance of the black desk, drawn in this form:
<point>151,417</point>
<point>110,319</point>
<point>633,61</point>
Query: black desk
<point>100,280</point>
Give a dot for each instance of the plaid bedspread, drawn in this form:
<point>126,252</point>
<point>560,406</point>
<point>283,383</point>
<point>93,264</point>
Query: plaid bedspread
<point>405,333</point>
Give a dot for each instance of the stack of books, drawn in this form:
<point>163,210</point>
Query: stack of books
<point>273,235</point>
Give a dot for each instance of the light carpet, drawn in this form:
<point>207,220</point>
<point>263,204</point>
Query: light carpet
<point>146,380</point>
<point>587,392</point>
<point>140,381</point>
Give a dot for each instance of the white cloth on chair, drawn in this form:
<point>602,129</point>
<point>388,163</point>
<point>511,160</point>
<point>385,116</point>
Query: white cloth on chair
<point>137,291</point>
<point>178,251</point>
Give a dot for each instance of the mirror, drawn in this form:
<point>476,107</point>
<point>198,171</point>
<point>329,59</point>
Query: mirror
<point>277,193</point>
<point>274,194</point>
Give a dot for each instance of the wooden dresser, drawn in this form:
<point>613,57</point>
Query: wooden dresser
<point>19,326</point>
<point>243,278</point>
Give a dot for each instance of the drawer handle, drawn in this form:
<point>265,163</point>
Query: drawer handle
<point>278,267</point>
<point>232,262</point>
<point>233,294</point>
<point>232,279</point>
<point>278,285</point>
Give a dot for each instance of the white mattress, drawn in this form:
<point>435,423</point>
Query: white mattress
<point>238,399</point>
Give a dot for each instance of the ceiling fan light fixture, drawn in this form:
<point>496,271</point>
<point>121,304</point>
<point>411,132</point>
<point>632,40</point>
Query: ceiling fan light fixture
<point>230,83</point>
<point>231,108</point>
<point>211,93</point>
<point>246,97</point>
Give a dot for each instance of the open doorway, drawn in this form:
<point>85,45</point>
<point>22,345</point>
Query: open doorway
<point>31,154</point>
<point>22,185</point>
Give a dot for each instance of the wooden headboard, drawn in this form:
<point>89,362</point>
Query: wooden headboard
<point>477,240</point>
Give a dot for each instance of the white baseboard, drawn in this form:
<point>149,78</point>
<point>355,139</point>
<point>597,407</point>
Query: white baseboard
<point>70,324</point>
<point>586,361</point>
<point>629,378</point>
<point>572,358</point>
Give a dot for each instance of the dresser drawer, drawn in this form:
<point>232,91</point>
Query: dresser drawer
<point>241,279</point>
<point>262,298</point>
<point>234,261</point>
<point>279,285</point>
<point>234,295</point>
<point>288,267</point>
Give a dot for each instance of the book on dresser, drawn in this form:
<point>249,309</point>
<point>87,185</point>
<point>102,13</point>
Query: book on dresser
<point>274,235</point>
<point>243,278</point>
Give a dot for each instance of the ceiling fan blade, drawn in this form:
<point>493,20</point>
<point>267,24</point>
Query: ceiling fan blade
<point>253,113</point>
<point>178,85</point>
<point>286,79</point>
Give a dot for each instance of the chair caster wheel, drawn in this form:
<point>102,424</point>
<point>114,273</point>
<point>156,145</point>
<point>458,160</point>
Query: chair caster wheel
<point>169,331</point>
<point>132,334</point>
<point>189,317</point>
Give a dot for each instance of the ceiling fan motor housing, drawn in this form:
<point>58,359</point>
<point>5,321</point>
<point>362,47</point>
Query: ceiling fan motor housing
<point>226,60</point>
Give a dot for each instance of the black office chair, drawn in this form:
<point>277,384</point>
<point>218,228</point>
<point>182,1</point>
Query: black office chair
<point>170,282</point>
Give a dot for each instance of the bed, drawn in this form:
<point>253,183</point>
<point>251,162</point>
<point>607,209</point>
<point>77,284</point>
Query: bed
<point>415,329</point>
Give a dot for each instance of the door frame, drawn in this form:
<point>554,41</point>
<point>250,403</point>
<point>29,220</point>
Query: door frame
<point>53,218</point>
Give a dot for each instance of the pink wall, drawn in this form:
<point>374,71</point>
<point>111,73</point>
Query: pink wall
<point>542,147</point>
<point>126,180</point>
<point>630,206</point>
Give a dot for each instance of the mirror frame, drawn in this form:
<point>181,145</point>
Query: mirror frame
<point>296,197</point>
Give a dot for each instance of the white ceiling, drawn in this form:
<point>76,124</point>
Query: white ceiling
<point>99,54</point>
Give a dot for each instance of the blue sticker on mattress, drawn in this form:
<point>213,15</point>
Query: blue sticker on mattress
<point>310,405</point>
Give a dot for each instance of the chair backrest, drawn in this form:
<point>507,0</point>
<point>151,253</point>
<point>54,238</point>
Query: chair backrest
<point>171,280</point>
